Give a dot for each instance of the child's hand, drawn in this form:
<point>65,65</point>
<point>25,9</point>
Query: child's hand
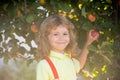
<point>92,36</point>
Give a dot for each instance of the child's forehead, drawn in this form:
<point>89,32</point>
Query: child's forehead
<point>60,27</point>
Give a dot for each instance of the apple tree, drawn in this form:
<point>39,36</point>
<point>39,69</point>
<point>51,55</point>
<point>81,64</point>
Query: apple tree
<point>20,22</point>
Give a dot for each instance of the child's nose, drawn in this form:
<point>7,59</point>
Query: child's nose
<point>61,36</point>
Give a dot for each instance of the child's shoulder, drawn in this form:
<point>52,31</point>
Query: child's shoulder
<point>42,62</point>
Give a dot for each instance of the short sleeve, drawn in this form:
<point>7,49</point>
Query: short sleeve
<point>41,73</point>
<point>77,64</point>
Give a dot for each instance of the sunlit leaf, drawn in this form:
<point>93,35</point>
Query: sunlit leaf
<point>105,7</point>
<point>59,11</point>
<point>80,6</point>
<point>101,32</point>
<point>103,69</point>
<point>91,0</point>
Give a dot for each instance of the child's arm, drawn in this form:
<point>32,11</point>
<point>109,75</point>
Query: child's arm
<point>83,55</point>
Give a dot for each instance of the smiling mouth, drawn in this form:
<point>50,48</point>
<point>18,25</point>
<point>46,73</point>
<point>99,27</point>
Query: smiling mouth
<point>60,42</point>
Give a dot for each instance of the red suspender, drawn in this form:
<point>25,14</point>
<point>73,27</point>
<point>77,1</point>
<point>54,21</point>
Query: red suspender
<point>52,68</point>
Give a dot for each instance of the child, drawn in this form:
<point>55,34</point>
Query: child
<point>57,44</point>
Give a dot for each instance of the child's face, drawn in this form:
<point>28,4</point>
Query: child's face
<point>59,38</point>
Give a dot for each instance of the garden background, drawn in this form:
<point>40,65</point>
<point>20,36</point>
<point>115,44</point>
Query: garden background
<point>19,26</point>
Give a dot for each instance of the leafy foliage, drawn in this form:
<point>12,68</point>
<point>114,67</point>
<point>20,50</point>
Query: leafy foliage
<point>18,37</point>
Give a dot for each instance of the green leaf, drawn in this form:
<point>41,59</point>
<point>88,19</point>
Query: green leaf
<point>83,13</point>
<point>86,26</point>
<point>92,48</point>
<point>106,58</point>
<point>5,7</point>
<point>64,7</point>
<point>107,47</point>
<point>30,18</point>
<point>109,1</point>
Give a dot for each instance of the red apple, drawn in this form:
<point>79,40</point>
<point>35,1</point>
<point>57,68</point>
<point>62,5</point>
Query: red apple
<point>34,28</point>
<point>91,17</point>
<point>94,33</point>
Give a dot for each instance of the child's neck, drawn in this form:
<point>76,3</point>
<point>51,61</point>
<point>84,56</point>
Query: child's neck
<point>62,52</point>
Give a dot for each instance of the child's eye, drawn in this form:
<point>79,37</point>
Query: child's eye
<point>65,34</point>
<point>55,34</point>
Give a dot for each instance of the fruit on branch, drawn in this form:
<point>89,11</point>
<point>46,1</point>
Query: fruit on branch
<point>18,12</point>
<point>91,17</point>
<point>34,28</point>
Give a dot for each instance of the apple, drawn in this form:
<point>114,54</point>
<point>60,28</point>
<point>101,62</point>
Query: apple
<point>18,12</point>
<point>34,28</point>
<point>91,17</point>
<point>94,33</point>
